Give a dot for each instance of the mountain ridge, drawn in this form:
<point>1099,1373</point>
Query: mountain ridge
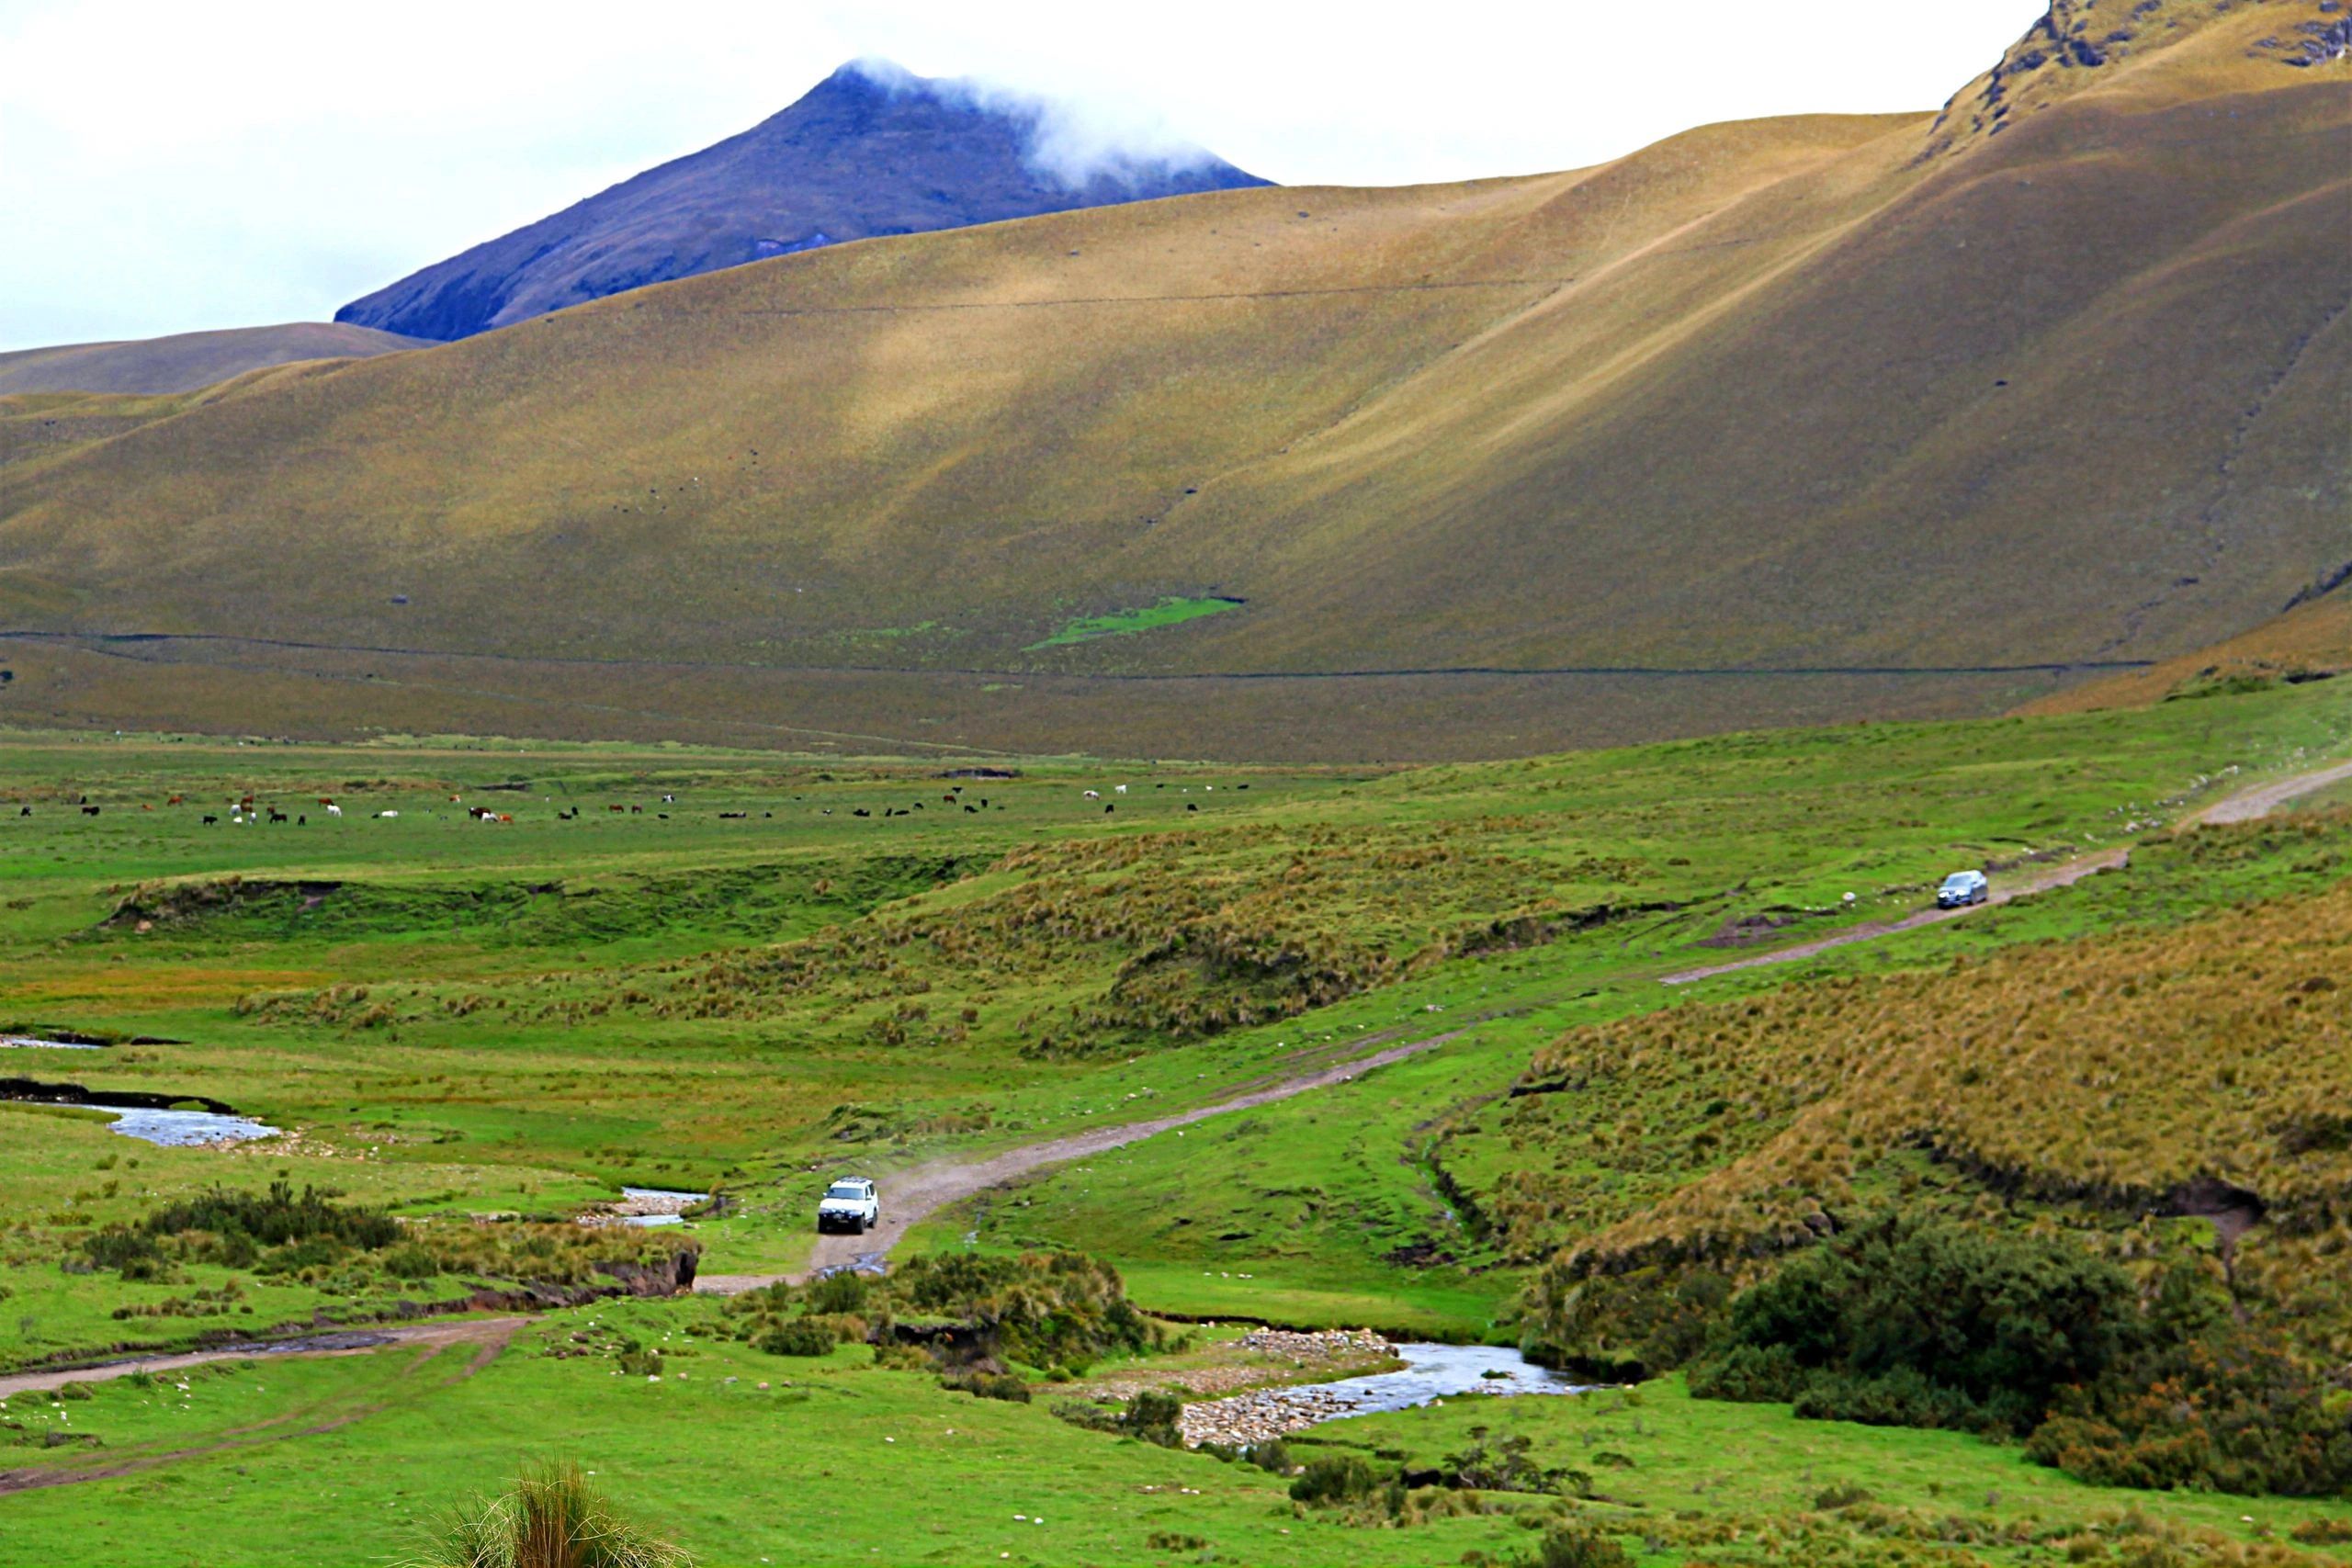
<point>183,362</point>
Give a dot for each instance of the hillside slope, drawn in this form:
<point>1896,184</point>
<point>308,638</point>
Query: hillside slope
<point>870,151</point>
<point>1780,421</point>
<point>187,361</point>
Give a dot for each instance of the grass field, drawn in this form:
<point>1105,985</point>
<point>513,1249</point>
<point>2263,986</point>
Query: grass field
<point>688,967</point>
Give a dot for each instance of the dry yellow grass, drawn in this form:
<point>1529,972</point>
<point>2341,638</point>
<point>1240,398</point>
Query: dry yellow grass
<point>2164,1073</point>
<point>2313,638</point>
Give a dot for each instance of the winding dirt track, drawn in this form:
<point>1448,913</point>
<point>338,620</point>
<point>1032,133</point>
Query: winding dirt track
<point>916,1194</point>
<point>2246,806</point>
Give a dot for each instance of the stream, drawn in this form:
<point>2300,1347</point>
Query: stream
<point>1431,1372</point>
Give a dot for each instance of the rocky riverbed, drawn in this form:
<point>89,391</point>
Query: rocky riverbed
<point>1432,1373</point>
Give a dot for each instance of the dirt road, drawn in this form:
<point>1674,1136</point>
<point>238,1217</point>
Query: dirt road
<point>2246,806</point>
<point>484,1331</point>
<point>916,1194</point>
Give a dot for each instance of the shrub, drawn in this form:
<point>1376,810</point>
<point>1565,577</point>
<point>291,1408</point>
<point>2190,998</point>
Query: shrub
<point>411,1261</point>
<point>1339,1478</point>
<point>1574,1545</point>
<point>1912,1323</point>
<point>990,1385</point>
<point>1845,1495</point>
<point>1274,1455</point>
<point>2227,1411</point>
<point>552,1518</point>
<point>801,1338</point>
<point>1156,1415</point>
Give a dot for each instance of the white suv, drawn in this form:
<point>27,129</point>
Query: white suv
<point>849,1204</point>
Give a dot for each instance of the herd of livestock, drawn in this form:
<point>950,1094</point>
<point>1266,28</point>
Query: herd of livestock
<point>246,811</point>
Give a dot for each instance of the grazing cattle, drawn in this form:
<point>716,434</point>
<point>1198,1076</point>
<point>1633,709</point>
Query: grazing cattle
<point>1120,788</point>
<point>211,821</point>
<point>386,816</point>
<point>636,811</point>
<point>616,808</point>
<point>732,816</point>
<point>302,822</point>
<point>333,809</point>
<point>669,800</point>
<point>1190,806</point>
<point>24,811</point>
<point>144,806</point>
<point>1093,795</point>
<point>972,810</point>
<point>275,816</point>
<point>89,811</point>
<point>1108,809</point>
<point>861,811</point>
<point>177,800</point>
<point>918,806</point>
<point>326,800</point>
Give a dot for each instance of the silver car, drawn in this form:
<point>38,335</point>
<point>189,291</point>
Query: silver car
<point>1962,888</point>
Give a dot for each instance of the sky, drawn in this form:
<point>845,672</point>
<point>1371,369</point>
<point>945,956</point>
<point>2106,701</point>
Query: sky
<point>172,167</point>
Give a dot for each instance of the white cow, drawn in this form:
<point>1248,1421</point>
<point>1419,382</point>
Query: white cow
<point>335,810</point>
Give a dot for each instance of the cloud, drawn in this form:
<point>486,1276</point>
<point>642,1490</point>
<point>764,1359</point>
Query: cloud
<point>1078,143</point>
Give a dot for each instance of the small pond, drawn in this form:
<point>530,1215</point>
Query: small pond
<point>187,1128</point>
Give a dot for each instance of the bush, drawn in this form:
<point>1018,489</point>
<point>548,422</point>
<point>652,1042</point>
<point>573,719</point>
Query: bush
<point>1274,1455</point>
<point>842,1293</point>
<point>1342,1478</point>
<point>1574,1544</point>
<point>2229,1411</point>
<point>1843,1496</point>
<point>801,1338</point>
<point>990,1385</point>
<point>1156,1417</point>
<point>1912,1323</point>
<point>410,1261</point>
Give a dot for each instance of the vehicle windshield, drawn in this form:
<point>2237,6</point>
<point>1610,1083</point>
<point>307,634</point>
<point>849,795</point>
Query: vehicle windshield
<point>1960,879</point>
<point>844,1189</point>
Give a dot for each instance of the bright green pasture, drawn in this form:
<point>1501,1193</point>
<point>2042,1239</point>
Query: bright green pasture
<point>1168,612</point>
<point>345,1459</point>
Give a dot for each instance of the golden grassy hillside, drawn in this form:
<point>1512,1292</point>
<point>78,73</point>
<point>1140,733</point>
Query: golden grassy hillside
<point>187,361</point>
<point>1817,398</point>
<point>2312,640</point>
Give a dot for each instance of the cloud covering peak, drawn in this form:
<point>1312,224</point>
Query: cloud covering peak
<point>1079,143</point>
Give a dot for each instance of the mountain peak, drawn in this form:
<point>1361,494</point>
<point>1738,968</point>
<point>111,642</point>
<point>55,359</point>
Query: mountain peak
<point>872,150</point>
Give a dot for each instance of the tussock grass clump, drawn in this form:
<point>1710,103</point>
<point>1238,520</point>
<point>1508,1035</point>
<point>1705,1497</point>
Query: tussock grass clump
<point>552,1517</point>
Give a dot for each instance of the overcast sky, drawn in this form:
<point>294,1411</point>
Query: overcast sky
<point>167,166</point>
